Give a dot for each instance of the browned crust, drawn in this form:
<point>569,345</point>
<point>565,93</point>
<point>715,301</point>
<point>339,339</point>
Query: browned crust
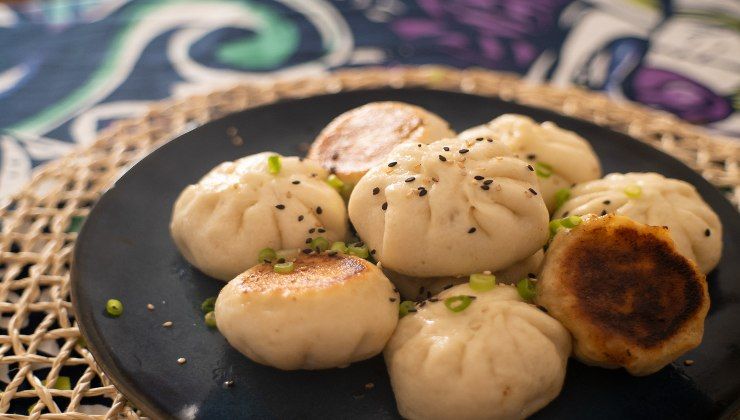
<point>628,280</point>
<point>309,272</point>
<point>361,138</point>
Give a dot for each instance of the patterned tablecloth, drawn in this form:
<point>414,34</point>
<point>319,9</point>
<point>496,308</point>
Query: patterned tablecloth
<point>70,67</point>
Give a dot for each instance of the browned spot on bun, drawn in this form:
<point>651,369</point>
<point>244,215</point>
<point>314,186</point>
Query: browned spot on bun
<point>309,272</point>
<point>361,138</point>
<point>612,272</point>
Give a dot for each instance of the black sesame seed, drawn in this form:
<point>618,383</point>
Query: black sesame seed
<point>384,206</point>
<point>335,156</point>
<point>321,230</point>
<point>229,383</point>
<point>707,232</point>
<point>531,156</point>
<point>307,250</point>
<point>376,191</point>
<point>533,191</point>
<point>395,289</point>
<point>490,140</point>
<point>607,202</point>
<point>463,151</point>
<point>410,179</point>
<point>479,139</point>
<point>530,167</point>
<point>478,178</point>
<point>446,149</point>
<point>603,212</point>
<point>319,210</point>
<point>280,206</point>
<point>331,253</point>
<point>485,187</point>
<point>442,158</point>
<point>418,145</point>
<point>372,252</point>
<point>566,213</point>
<point>333,170</point>
<point>472,230</point>
<point>280,260</point>
<point>312,230</point>
<point>300,218</point>
<point>296,182</point>
<point>392,164</point>
<point>488,182</point>
<point>392,299</point>
<point>314,175</point>
<point>308,240</point>
<point>531,275</point>
<point>422,193</point>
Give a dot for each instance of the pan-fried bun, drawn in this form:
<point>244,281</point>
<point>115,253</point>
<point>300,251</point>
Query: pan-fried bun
<point>362,137</point>
<point>330,311</point>
<point>628,297</point>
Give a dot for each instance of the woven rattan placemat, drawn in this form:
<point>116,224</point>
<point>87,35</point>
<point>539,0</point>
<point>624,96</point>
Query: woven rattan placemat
<point>39,340</point>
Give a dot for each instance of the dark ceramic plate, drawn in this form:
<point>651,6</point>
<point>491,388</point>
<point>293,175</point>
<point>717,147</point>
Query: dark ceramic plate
<point>125,251</point>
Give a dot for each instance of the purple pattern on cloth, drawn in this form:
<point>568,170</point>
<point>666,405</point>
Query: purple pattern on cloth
<point>677,94</point>
<point>493,33</point>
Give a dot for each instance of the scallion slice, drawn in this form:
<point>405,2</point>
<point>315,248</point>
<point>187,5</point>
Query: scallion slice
<point>406,307</point>
<point>482,282</point>
<point>543,170</point>
<point>210,319</point>
<point>526,289</point>
<point>570,221</point>
<point>339,247</point>
<point>114,307</point>
<point>458,303</point>
<point>283,268</point>
<point>633,191</point>
<point>335,182</point>
<point>358,251</point>
<point>208,305</point>
<point>266,255</point>
<point>561,196</point>
<point>274,164</point>
<point>320,244</point>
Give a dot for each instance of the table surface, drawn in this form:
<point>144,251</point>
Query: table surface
<point>70,67</point>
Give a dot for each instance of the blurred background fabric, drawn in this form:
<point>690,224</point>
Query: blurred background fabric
<point>70,67</point>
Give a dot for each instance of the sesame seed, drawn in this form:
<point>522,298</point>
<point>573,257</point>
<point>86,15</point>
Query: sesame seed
<point>308,240</point>
<point>319,210</point>
<point>333,170</point>
<point>314,175</point>
<point>392,164</point>
<point>442,158</point>
<point>376,191</point>
<point>335,156</point>
<point>307,250</point>
<point>707,232</point>
<point>384,206</point>
<point>369,386</point>
<point>296,182</point>
<point>463,151</point>
<point>150,306</point>
<point>485,187</point>
<point>280,260</point>
<point>312,230</point>
<point>181,360</point>
<point>300,218</point>
<point>360,244</point>
<point>229,383</point>
<point>531,156</point>
<point>607,202</point>
<point>372,252</point>
<point>478,178</point>
<point>531,275</point>
<point>321,230</point>
<point>410,179</point>
<point>472,230</point>
<point>530,167</point>
<point>331,253</point>
<point>688,362</point>
<point>167,324</point>
<point>422,192</point>
<point>280,206</point>
<point>418,145</point>
<point>533,191</point>
<point>566,213</point>
<point>423,302</point>
<point>488,182</point>
<point>603,212</point>
<point>446,149</point>
<point>490,140</point>
<point>392,299</point>
<point>479,139</point>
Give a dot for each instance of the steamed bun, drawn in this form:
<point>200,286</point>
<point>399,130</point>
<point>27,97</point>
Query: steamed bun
<point>419,288</point>
<point>657,201</point>
<point>332,310</point>
<point>221,223</point>
<point>500,358</point>
<point>561,157</point>
<point>361,138</point>
<point>450,208</point>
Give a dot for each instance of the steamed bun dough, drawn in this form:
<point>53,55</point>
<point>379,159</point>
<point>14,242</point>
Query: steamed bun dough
<point>569,155</point>
<point>329,312</point>
<point>360,138</point>
<point>693,225</point>
<point>419,288</point>
<point>500,358</point>
<point>221,223</point>
<point>627,296</point>
<point>449,208</point>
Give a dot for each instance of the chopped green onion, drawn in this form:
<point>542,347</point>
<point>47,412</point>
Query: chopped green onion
<point>482,282</point>
<point>405,308</point>
<point>208,305</point>
<point>114,307</point>
<point>358,251</point>
<point>543,170</point>
<point>320,244</point>
<point>335,182</point>
<point>554,226</point>
<point>266,255</point>
<point>274,164</point>
<point>633,191</point>
<point>288,254</point>
<point>63,383</point>
<point>570,221</point>
<point>339,247</point>
<point>458,303</point>
<point>526,289</point>
<point>346,190</point>
<point>283,268</point>
<point>210,319</point>
<point>75,224</point>
<point>561,196</point>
